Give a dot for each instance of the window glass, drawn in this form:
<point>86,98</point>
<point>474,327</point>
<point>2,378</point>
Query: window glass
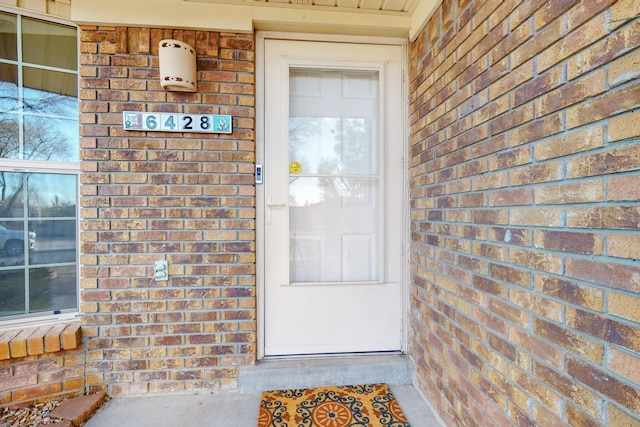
<point>47,232</point>
<point>14,242</point>
<point>11,192</point>
<point>52,289</point>
<point>56,242</point>
<point>49,44</point>
<point>51,91</point>
<point>38,210</point>
<point>8,87</point>
<point>9,136</point>
<point>38,91</point>
<point>8,36</point>
<point>12,292</point>
<point>52,196</point>
<point>47,138</point>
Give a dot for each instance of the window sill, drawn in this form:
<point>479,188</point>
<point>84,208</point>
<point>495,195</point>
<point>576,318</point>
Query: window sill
<point>35,340</point>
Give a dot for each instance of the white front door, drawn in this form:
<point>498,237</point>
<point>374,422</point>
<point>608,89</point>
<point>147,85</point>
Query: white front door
<point>333,193</point>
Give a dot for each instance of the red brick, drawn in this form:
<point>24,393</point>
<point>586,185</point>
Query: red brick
<point>495,35</point>
<point>582,295</point>
<point>551,11</point>
<point>540,41</point>
<point>485,182</point>
<point>571,93</point>
<point>511,158</point>
<point>612,161</point>
<point>546,172</point>
<point>542,349</point>
<point>576,417</point>
<point>491,75</point>
<point>545,307</point>
<point>39,392</point>
<point>619,418</point>
<point>618,276</point>
<point>489,286</point>
<point>536,260</point>
<point>613,217</point>
<point>535,130</point>
<point>604,383</point>
<point>585,35</point>
<point>513,79</point>
<point>586,192</point>
<point>512,119</point>
<point>583,11</point>
<point>578,243</point>
<point>513,40</point>
<point>473,71</point>
<point>572,341</point>
<point>624,126</point>
<point>79,409</point>
<point>587,400</point>
<point>604,51</point>
<point>623,246</point>
<point>511,197</point>
<point>609,330</point>
<point>625,364</point>
<point>35,342</point>
<point>571,143</point>
<point>511,313</point>
<point>613,102</point>
<point>545,395</point>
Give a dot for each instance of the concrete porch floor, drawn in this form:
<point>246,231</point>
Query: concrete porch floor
<point>240,409</point>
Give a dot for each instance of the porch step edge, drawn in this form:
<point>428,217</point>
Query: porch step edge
<point>325,371</point>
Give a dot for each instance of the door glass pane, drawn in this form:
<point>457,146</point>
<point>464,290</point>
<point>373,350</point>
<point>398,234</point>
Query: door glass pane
<point>334,182</point>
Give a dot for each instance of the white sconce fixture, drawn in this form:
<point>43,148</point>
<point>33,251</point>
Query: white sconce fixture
<point>177,66</point>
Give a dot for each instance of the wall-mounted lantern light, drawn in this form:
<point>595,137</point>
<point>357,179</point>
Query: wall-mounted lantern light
<point>177,66</point>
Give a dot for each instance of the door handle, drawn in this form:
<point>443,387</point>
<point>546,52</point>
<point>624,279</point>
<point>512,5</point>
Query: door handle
<point>276,205</point>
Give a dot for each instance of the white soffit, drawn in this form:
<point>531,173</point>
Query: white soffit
<point>399,18</point>
<point>163,13</point>
<point>407,6</point>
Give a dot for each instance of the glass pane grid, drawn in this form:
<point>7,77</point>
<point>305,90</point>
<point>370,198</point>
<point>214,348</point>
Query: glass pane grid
<point>334,182</point>
<point>38,243</point>
<point>38,90</point>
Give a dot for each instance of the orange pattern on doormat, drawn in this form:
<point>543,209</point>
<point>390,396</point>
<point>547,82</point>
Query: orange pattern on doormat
<point>370,405</point>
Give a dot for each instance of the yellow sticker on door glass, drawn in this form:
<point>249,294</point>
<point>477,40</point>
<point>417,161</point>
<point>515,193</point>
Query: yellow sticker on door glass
<point>295,167</point>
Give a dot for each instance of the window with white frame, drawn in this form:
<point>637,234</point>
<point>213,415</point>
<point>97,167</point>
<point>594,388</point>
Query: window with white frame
<point>39,167</point>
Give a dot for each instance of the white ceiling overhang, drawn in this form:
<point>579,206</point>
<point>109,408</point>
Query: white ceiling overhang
<point>389,18</point>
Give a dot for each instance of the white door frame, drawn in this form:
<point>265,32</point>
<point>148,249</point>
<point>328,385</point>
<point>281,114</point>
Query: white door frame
<point>261,36</point>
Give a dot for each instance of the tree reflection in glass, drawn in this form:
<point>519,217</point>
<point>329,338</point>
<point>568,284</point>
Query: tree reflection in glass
<point>334,214</point>
<point>37,217</point>
<point>38,90</point>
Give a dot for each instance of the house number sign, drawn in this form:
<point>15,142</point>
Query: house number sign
<point>173,122</point>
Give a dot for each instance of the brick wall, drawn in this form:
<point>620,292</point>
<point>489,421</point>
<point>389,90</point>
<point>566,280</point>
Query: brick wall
<point>185,198</point>
<point>525,220</point>
<point>43,377</point>
<point>41,363</point>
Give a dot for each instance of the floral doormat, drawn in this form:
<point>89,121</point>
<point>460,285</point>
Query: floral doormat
<point>370,405</point>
